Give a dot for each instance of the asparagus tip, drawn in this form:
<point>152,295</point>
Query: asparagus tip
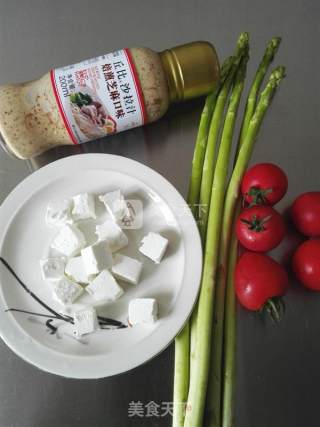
<point>277,75</point>
<point>243,41</point>
<point>272,47</point>
<point>275,42</point>
<point>278,39</point>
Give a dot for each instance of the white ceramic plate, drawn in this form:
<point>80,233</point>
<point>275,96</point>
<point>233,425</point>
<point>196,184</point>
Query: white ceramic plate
<point>25,238</point>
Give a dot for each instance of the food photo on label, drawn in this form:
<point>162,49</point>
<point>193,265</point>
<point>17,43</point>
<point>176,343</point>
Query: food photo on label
<point>105,262</point>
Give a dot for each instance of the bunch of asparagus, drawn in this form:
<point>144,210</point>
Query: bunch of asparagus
<point>205,349</point>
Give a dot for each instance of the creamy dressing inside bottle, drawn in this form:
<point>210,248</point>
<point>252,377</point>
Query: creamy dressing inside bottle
<point>102,96</point>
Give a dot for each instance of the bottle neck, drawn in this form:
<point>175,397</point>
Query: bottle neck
<point>192,70</point>
<point>174,75</point>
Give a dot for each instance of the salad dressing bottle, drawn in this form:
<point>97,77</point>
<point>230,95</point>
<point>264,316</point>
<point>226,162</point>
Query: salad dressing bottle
<point>102,96</point>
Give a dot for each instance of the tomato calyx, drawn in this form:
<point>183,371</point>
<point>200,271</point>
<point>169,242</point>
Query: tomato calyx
<point>258,196</point>
<point>275,307</point>
<point>256,224</point>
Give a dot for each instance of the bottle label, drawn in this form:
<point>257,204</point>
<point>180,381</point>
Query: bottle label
<point>99,96</point>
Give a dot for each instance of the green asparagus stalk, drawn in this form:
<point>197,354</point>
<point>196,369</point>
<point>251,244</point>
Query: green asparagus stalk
<point>198,385</point>
<point>202,138</point>
<point>213,405</point>
<point>182,342</point>
<point>215,384</point>
<point>227,75</point>
<point>230,332</point>
<point>181,375</point>
<point>226,69</point>
<point>215,126</point>
<point>228,374</point>
<point>199,153</point>
<point>271,50</point>
<point>209,160</point>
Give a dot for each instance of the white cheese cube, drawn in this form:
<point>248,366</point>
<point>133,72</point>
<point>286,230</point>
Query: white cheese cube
<point>76,271</point>
<point>65,291</point>
<point>97,257</point>
<point>52,268</point>
<point>69,241</point>
<point>115,204</point>
<point>83,206</point>
<point>154,246</point>
<point>104,287</point>
<point>127,269</point>
<point>85,321</point>
<point>112,234</point>
<point>59,212</point>
<point>143,310</point>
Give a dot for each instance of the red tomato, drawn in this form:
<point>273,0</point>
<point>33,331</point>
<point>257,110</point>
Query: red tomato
<point>258,278</point>
<point>264,183</point>
<point>305,213</point>
<point>306,264</point>
<point>260,228</point>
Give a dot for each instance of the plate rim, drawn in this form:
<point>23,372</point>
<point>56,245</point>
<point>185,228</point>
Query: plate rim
<point>37,353</point>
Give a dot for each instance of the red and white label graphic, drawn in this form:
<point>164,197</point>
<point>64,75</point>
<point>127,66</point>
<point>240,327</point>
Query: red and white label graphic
<point>99,96</point>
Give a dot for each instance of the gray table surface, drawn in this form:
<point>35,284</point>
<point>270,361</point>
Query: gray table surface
<point>278,366</point>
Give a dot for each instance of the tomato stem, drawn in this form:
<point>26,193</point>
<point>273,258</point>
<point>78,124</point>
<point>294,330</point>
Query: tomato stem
<point>275,307</point>
<point>258,195</point>
<point>256,224</point>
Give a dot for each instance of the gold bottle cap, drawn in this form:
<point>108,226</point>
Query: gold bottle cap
<point>192,70</point>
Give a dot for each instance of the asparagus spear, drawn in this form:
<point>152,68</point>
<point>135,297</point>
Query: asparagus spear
<point>252,132</point>
<point>209,161</point>
<point>228,71</point>
<point>198,385</point>
<point>230,335</point>
<point>199,153</point>
<point>182,342</point>
<point>271,50</point>
<point>181,375</point>
<point>228,374</point>
<point>215,384</point>
<point>202,138</point>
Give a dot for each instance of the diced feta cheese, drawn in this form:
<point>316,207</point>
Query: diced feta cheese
<point>85,321</point>
<point>59,212</point>
<point>143,310</point>
<point>76,271</point>
<point>127,269</point>
<point>65,291</point>
<point>52,268</point>
<point>112,234</point>
<point>104,287</point>
<point>115,204</point>
<point>97,257</point>
<point>154,246</point>
<point>83,206</point>
<point>69,241</point>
